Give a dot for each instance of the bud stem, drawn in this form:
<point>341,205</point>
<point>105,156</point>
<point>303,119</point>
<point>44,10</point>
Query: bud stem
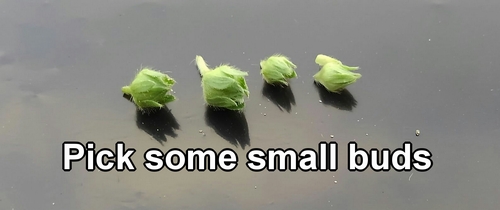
<point>322,60</point>
<point>126,90</point>
<point>202,65</point>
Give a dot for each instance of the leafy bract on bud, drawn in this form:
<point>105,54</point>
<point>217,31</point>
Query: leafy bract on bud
<point>321,60</point>
<point>223,87</point>
<point>277,69</point>
<point>334,77</point>
<point>150,89</point>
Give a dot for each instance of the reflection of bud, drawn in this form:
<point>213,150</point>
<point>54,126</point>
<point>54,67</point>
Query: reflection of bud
<point>334,77</point>
<point>223,87</point>
<point>321,60</point>
<point>150,89</point>
<point>278,69</point>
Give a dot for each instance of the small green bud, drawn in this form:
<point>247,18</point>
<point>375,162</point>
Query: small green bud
<point>223,87</point>
<point>150,89</point>
<point>334,77</point>
<point>321,60</point>
<point>277,69</point>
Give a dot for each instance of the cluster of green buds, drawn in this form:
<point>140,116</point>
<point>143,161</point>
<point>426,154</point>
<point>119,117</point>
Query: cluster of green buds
<point>277,69</point>
<point>224,86</point>
<point>150,89</point>
<point>334,75</point>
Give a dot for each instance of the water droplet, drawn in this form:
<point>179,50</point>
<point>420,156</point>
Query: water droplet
<point>265,114</point>
<point>201,131</point>
<point>335,181</point>
<point>320,101</point>
<point>429,40</point>
<point>417,132</point>
<point>331,136</point>
<point>255,187</point>
<point>366,134</point>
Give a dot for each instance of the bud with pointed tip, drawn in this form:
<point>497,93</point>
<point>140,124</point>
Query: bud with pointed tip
<point>334,77</point>
<point>223,87</point>
<point>277,69</point>
<point>321,60</point>
<point>150,89</point>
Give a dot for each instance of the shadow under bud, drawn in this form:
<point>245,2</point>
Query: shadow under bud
<point>281,96</point>
<point>343,100</point>
<point>230,125</point>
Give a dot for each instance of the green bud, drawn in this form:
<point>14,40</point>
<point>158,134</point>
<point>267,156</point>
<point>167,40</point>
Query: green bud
<point>334,77</point>
<point>223,87</point>
<point>277,69</point>
<point>150,89</point>
<point>321,60</point>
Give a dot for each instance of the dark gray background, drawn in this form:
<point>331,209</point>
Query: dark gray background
<point>427,65</point>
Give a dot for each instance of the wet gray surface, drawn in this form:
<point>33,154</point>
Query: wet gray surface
<point>426,65</point>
